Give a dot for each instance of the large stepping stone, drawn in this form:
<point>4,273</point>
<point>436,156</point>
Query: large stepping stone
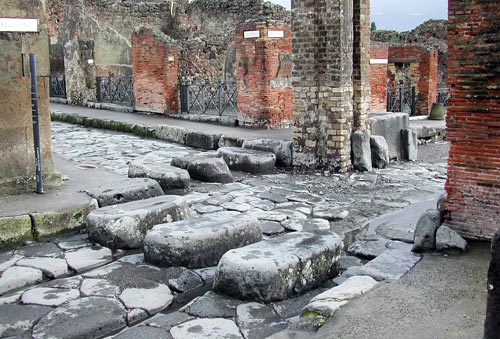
<point>283,150</point>
<point>169,177</point>
<point>248,160</point>
<point>210,170</point>
<point>200,242</point>
<point>125,191</point>
<point>278,268</point>
<point>125,225</point>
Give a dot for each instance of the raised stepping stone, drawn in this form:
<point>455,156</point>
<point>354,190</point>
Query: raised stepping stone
<point>207,329</point>
<point>125,225</point>
<point>247,160</point>
<point>125,191</point>
<point>278,268</point>
<point>169,177</point>
<point>201,241</point>
<point>283,150</point>
<point>210,170</point>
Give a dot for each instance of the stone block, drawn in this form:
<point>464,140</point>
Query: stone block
<point>283,150</point>
<point>169,177</point>
<point>125,225</point>
<point>210,170</point>
<point>380,151</point>
<point>200,242</point>
<point>15,230</point>
<point>278,268</point>
<point>248,160</point>
<point>409,141</point>
<point>447,240</point>
<point>171,133</point>
<point>389,125</point>
<point>125,191</point>
<point>361,153</point>
<point>425,231</point>
<point>209,141</point>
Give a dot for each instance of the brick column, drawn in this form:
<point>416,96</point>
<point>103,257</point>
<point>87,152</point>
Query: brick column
<point>361,60</point>
<point>378,78</point>
<point>154,71</point>
<point>323,89</point>
<point>263,74</point>
<point>473,118</point>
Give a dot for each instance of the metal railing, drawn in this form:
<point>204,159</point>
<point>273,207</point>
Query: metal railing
<point>401,99</point>
<point>116,90</point>
<point>209,97</point>
<point>57,87</point>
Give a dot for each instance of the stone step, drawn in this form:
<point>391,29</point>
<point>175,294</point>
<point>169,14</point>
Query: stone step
<point>125,191</point>
<point>279,268</point>
<point>201,241</point>
<point>169,177</point>
<point>124,226</point>
<point>248,160</point>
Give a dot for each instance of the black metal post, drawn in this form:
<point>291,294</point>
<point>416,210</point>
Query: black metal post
<point>36,124</point>
<point>400,99</point>
<point>98,86</point>
<point>413,101</point>
<point>184,97</point>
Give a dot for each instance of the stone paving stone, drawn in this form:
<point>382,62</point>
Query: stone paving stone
<point>43,249</point>
<point>85,259</point>
<point>273,270</point>
<point>135,316</point>
<point>296,206</point>
<point>73,244</point>
<point>292,307</point>
<point>258,321</point>
<point>205,209</point>
<point>49,296</point>
<point>185,281</point>
<point>169,177</point>
<point>206,274</point>
<point>368,247</point>
<point>16,320</point>
<point>212,305</point>
<point>125,191</point>
<point>307,225</point>
<point>272,228</point>
<point>395,231</point>
<point>329,213</point>
<point>265,205</point>
<point>248,160</point>
<point>201,241</point>
<point>12,298</point>
<point>274,197</point>
<point>231,206</point>
<point>390,265</point>
<point>206,329</point>
<point>125,225</point>
<point>90,317</point>
<point>66,283</point>
<point>52,267</point>
<point>144,332</point>
<point>16,277</point>
<point>99,288</point>
<point>167,321</point>
<point>283,150</point>
<point>134,259</point>
<point>8,259</point>
<point>348,261</point>
<point>152,300</point>
<point>305,198</point>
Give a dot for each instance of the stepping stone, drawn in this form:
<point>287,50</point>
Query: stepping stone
<point>49,296</point>
<point>247,160</point>
<point>210,170</point>
<point>125,191</point>
<point>207,329</point>
<point>125,225</point>
<point>278,268</point>
<point>169,177</point>
<point>201,241</point>
<point>283,150</point>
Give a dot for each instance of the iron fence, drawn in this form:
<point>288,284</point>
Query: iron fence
<point>116,90</point>
<point>209,97</point>
<point>57,87</point>
<point>401,99</point>
<point>443,94</point>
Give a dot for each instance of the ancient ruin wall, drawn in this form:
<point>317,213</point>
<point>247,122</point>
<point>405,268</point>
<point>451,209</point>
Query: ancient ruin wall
<point>473,119</point>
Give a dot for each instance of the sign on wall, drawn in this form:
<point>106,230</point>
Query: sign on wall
<point>18,25</point>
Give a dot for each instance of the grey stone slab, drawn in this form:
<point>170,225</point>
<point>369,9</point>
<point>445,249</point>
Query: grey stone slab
<point>125,225</point>
<point>171,133</point>
<point>73,244</point>
<point>88,258</point>
<point>210,170</point>
<point>425,231</point>
<point>301,207</point>
<point>258,321</point>
<point>44,296</point>
<point>389,125</point>
<point>232,206</point>
<point>395,231</point>
<point>167,321</point>
<point>274,197</point>
<point>248,160</point>
<point>278,268</point>
<point>16,277</point>
<point>305,198</point>
<point>11,298</point>
<point>8,259</point>
<point>292,307</point>
<point>143,332</point>
<point>409,139</point>
<point>125,191</point>
<point>196,198</point>
<point>135,316</point>
<point>215,328</point>
<point>206,273</point>
<point>390,265</point>
<point>52,267</point>
<point>169,177</point>
<point>307,225</point>
<point>201,241</point>
<point>16,320</point>
<point>42,249</point>
<point>205,209</point>
<point>271,228</point>
<point>349,261</point>
<point>379,151</point>
<point>369,248</point>
<point>152,300</point>
<point>99,288</point>
<point>208,141</point>
<point>283,150</point>
<point>83,318</point>
<point>185,281</point>
<point>134,259</point>
<point>67,283</point>
<point>361,153</point>
<point>330,213</point>
<point>212,305</point>
<point>265,205</point>
<point>447,240</point>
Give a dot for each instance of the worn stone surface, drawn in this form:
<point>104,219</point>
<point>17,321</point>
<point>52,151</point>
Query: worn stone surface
<point>330,213</point>
<point>276,269</point>
<point>389,125</point>
<point>248,160</point>
<point>306,225</point>
<point>447,240</point>
<point>125,225</point>
<point>390,265</point>
<point>368,247</point>
<point>143,332</point>
<point>171,133</point>
<point>169,177</point>
<point>40,249</point>
<point>15,230</point>
<point>49,296</point>
<point>15,320</point>
<point>425,231</point>
<point>212,305</point>
<point>492,322</point>
<point>87,258</point>
<point>210,170</point>
<point>167,321</point>
<point>52,267</point>
<point>409,141</point>
<point>395,231</point>
<point>258,321</point>
<point>379,151</point>
<point>207,141</point>
<point>99,288</point>
<point>185,281</point>
<point>17,277</point>
<point>150,299</point>
<point>362,158</point>
<point>283,150</point>
<point>125,191</point>
<point>206,328</point>
<point>201,241</point>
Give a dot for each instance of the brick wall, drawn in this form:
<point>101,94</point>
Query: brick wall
<point>154,73</point>
<point>473,119</point>
<point>263,74</point>
<point>379,59</point>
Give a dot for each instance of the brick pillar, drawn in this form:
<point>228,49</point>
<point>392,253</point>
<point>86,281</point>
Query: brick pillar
<point>323,90</point>
<point>263,74</point>
<point>154,71</point>
<point>361,60</point>
<point>378,78</point>
<point>473,118</point>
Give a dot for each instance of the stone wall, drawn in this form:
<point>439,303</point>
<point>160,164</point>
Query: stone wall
<point>473,118</point>
<point>378,78</point>
<point>263,73</point>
